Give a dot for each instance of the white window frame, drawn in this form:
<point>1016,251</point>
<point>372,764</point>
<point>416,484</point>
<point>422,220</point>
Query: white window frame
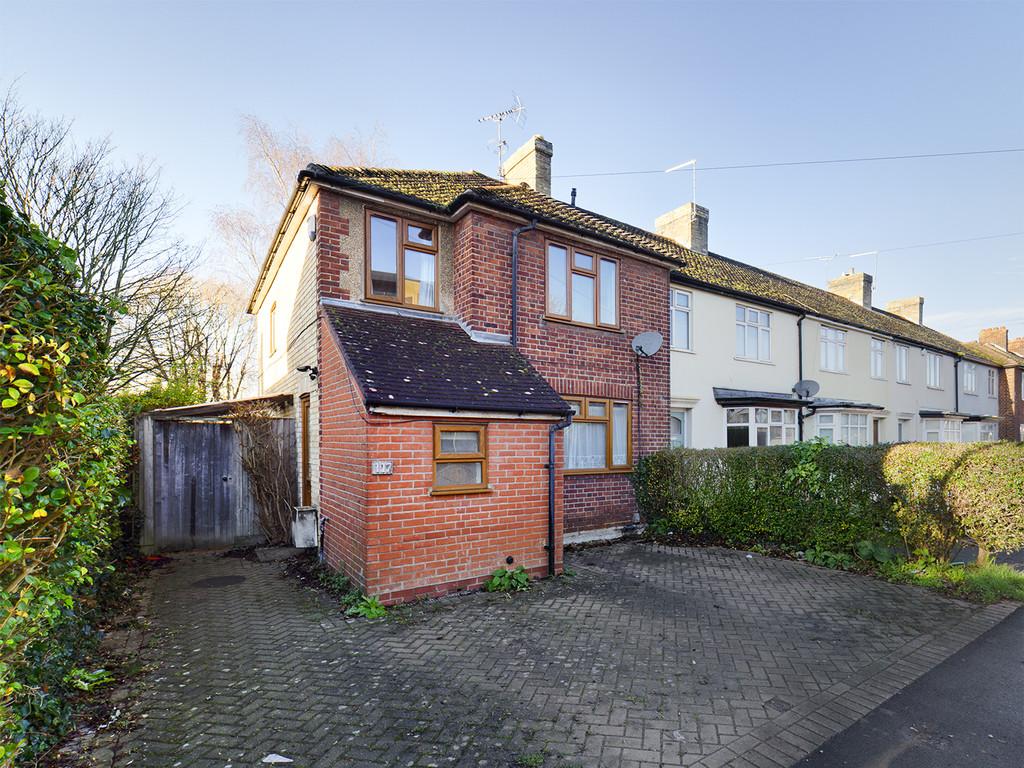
<point>988,432</point>
<point>944,430</point>
<point>877,358</point>
<point>902,364</point>
<point>687,313</point>
<point>834,339</point>
<point>902,429</point>
<point>993,382</point>
<point>933,368</point>
<point>684,416</point>
<point>970,379</point>
<point>846,427</point>
<point>761,330</point>
<point>762,422</point>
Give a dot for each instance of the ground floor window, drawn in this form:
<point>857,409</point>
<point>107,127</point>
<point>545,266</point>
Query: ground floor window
<point>941,430</point>
<point>679,428</point>
<point>903,430</point>
<point>848,428</point>
<point>599,436</point>
<point>759,426</point>
<point>984,431</point>
<point>460,457</point>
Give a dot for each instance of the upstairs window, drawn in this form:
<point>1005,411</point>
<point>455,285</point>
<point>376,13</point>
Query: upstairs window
<point>970,378</point>
<point>599,437</point>
<point>401,261</point>
<point>753,334</point>
<point>460,458</point>
<point>902,364</point>
<point>877,359</point>
<point>581,287</point>
<point>833,349</point>
<point>991,382</point>
<point>934,370</point>
<point>681,304</point>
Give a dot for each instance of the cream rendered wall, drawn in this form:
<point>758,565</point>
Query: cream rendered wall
<point>979,402</point>
<point>293,289</point>
<point>713,363</point>
<point>901,401</point>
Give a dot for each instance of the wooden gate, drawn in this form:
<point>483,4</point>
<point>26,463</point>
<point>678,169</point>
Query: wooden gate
<point>193,491</point>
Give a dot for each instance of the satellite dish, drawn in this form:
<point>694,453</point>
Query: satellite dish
<point>647,343</point>
<point>806,388</point>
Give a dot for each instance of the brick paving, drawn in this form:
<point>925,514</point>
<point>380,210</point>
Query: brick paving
<point>646,656</point>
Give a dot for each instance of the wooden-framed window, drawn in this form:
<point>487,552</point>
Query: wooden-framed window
<point>582,287</point>
<point>460,458</point>
<point>272,328</point>
<point>600,438</point>
<point>401,261</point>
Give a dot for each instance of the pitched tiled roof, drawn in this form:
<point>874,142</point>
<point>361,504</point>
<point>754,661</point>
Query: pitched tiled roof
<point>434,363</point>
<point>999,356</point>
<point>445,191</point>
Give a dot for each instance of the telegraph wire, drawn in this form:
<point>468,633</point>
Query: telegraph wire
<point>898,248</point>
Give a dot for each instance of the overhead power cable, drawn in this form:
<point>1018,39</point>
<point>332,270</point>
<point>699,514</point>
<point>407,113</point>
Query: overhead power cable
<point>897,248</point>
<point>790,163</point>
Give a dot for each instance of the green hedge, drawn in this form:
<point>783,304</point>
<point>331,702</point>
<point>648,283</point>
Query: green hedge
<point>62,448</point>
<point>832,497</point>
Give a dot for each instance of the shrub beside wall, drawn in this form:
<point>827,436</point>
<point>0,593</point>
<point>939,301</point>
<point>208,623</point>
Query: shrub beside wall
<point>831,497</point>
<point>61,453</point>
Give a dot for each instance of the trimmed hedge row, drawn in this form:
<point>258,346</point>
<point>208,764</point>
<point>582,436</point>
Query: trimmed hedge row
<point>830,497</point>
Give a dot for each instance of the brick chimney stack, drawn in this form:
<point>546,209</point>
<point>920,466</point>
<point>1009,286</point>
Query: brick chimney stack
<point>997,337</point>
<point>531,163</point>
<point>687,225</point>
<point>855,286</point>
<point>1017,346</point>
<point>911,308</point>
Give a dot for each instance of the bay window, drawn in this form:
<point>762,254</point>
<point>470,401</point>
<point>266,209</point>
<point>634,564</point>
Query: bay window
<point>987,432</point>
<point>401,261</point>
<point>753,334</point>
<point>833,349</point>
<point>848,428</point>
<point>599,437</point>
<point>942,430</point>
<point>759,426</point>
<point>581,287</point>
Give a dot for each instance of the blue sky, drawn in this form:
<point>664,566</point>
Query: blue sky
<point>616,87</point>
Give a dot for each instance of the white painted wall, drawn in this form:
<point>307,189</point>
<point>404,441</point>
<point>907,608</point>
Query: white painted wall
<point>713,363</point>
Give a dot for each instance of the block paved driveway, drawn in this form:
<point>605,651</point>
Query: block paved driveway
<point>646,656</point>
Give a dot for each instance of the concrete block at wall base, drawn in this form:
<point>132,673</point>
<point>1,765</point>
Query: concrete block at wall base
<point>601,535</point>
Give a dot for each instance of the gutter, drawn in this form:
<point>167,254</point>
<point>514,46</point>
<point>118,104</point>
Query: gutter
<point>514,332</point>
<point>551,490</point>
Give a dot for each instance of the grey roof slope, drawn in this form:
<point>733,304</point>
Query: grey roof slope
<point>445,191</point>
<point>434,363</point>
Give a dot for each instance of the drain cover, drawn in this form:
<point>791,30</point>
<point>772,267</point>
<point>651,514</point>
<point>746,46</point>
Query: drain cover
<point>218,581</point>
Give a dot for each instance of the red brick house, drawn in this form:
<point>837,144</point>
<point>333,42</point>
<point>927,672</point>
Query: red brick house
<point>996,345</point>
<point>459,350</point>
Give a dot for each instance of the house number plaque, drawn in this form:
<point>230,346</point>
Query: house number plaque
<point>381,467</point>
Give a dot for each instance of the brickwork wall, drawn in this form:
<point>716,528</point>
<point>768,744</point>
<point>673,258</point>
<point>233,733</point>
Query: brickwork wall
<point>576,360</point>
<point>1011,405</point>
<point>332,261</point>
<point>419,545</point>
<point>344,464</point>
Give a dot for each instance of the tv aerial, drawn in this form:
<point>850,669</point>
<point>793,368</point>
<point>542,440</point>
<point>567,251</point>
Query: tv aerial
<point>646,344</point>
<point>517,113</point>
<point>805,389</point>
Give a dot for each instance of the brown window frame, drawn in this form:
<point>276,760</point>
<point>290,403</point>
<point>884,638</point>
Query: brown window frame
<point>583,403</point>
<point>595,272</point>
<point>460,458</point>
<point>272,328</point>
<point>401,244</point>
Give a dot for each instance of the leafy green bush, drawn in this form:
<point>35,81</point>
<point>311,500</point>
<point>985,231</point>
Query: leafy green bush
<point>838,499</point>
<point>62,448</point>
<point>506,580</point>
<point>806,495</point>
<point>947,491</point>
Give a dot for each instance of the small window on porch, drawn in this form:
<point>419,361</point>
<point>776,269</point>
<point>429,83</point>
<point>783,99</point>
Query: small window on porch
<point>460,458</point>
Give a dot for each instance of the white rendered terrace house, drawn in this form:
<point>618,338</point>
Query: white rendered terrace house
<point>742,337</point>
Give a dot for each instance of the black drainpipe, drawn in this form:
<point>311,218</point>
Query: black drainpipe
<point>551,490</point>
<point>956,385</point>
<point>800,372</point>
<point>515,278</point>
